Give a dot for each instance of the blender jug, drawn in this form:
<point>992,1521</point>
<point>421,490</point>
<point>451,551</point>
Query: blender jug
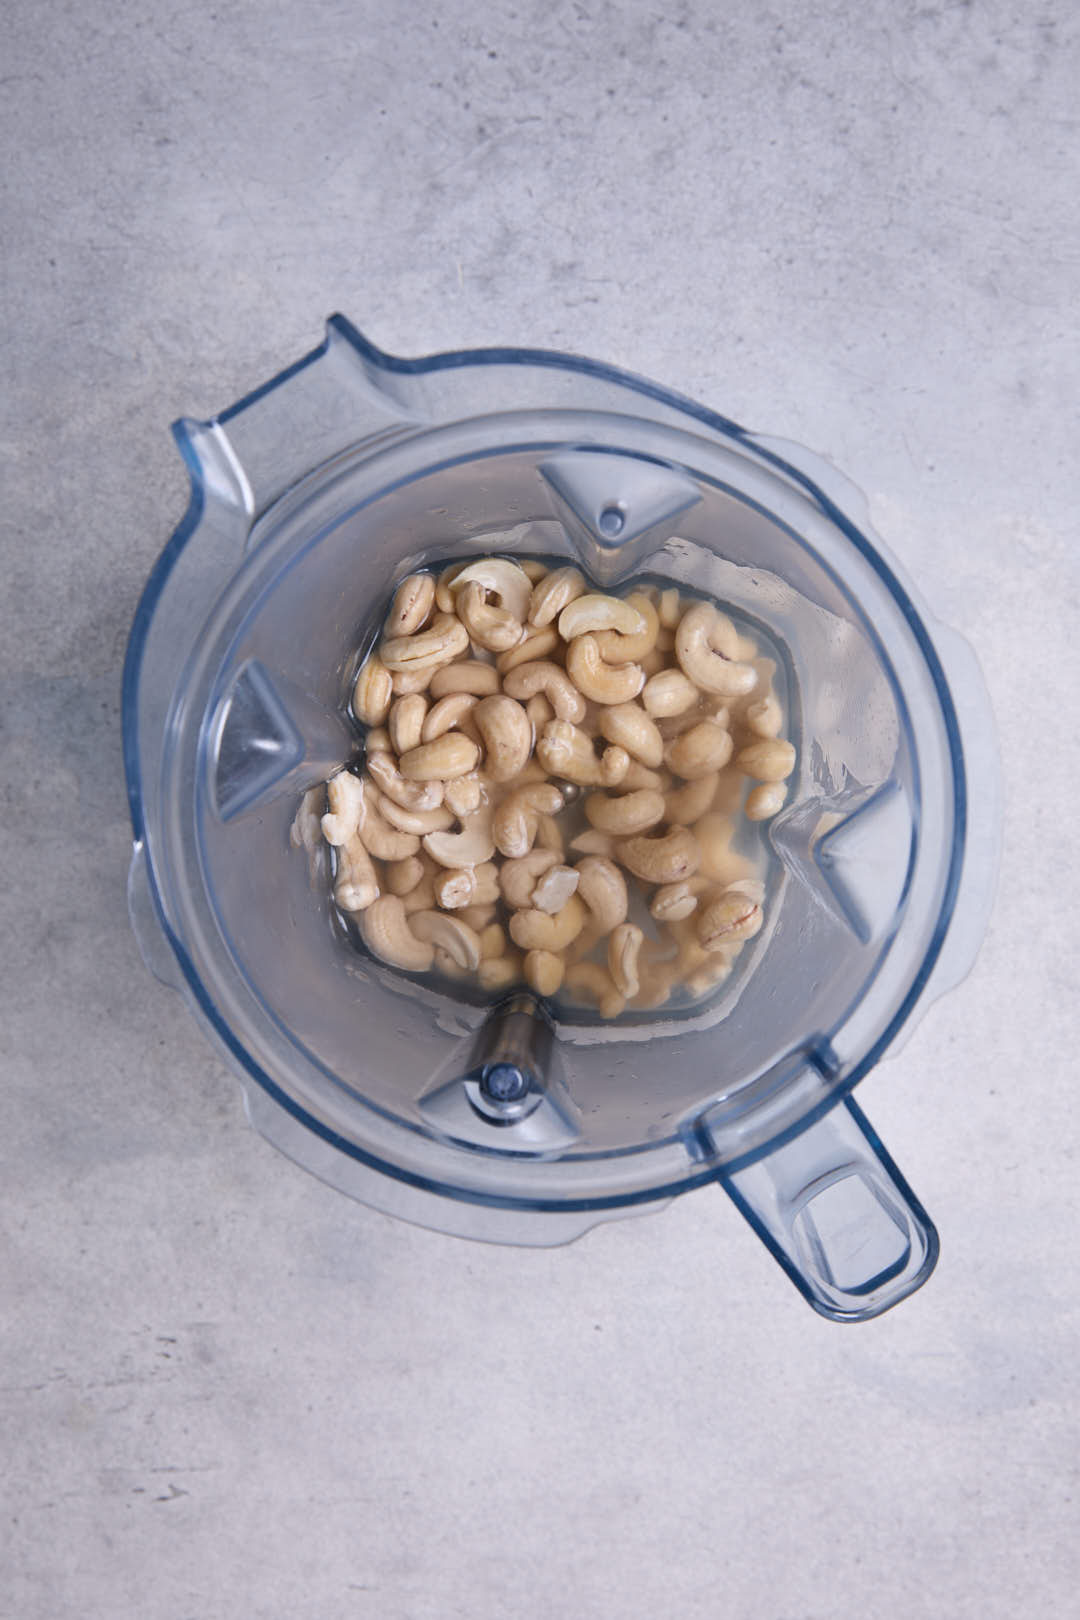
<point>514,1121</point>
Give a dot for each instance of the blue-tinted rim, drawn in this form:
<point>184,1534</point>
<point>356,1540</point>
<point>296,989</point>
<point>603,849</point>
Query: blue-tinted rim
<point>555,360</point>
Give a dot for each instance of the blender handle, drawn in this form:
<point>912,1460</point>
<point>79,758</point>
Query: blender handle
<point>839,1217</point>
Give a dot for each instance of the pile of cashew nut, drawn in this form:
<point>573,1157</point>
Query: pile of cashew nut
<point>541,760</point>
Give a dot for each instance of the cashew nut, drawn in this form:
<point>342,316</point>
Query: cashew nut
<point>392,785</point>
<point>603,683</point>
<point>449,934</point>
<point>669,609</point>
<point>538,930</point>
<point>590,613</point>
<point>444,594</point>
<point>372,692</point>
<point>378,741</point>
<point>405,682</point>
<point>412,605</point>
<point>764,718</point>
<point>489,626</point>
<point>674,901</point>
<point>502,579</point>
<point>356,885</point>
<point>469,847</point>
<point>668,693</point>
<point>603,889</point>
<point>386,931</point>
<point>770,760</point>
<point>487,883</point>
<point>464,794</point>
<point>478,917</point>
<point>665,859</point>
<point>500,972</point>
<point>446,638</point>
<point>628,725</point>
<point>534,644</point>
<point>688,804</point>
<point>714,833</point>
<point>628,814</point>
<point>468,676</point>
<point>554,888</point>
<point>638,777</point>
<point>765,800</point>
<point>452,754</point>
<point>379,838</point>
<point>706,644</point>
<point>410,821</point>
<point>539,711</point>
<point>403,876</point>
<point>518,877</point>
<point>701,751</point>
<point>617,647</point>
<point>544,972</point>
<point>565,751</point>
<point>540,676</point>
<point>517,817</point>
<point>492,942</point>
<point>534,569</point>
<point>624,945</point>
<point>553,593</point>
<point>734,916</point>
<point>507,735</point>
<point>592,842</point>
<point>455,887</point>
<point>446,715</point>
<point>588,981</point>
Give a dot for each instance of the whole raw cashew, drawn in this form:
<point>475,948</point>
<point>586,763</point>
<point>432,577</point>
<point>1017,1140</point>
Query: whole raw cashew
<point>603,683</point>
<point>638,776</point>
<point>567,752</point>
<point>770,760</point>
<point>588,981</point>
<point>471,846</point>
<point>406,682</point>
<point>379,838</point>
<point>734,916</point>
<point>701,751</point>
<point>517,818</point>
<point>403,876</point>
<point>622,817</point>
<point>385,930</point>
<point>518,877</point>
<point>412,605</point>
<point>603,889</point>
<point>667,693</point>
<point>392,785</point>
<point>507,734</point>
<point>373,692</point>
<point>715,833</point>
<point>544,971</point>
<point>764,718</point>
<point>669,608</point>
<point>465,794</point>
<point>616,647</point>
<point>706,643</point>
<point>450,934</point>
<point>445,640</point>
<point>500,578</point>
<point>688,804</point>
<point>665,859</point>
<point>554,888</point>
<point>765,800</point>
<point>591,613</point>
<point>410,821</point>
<point>489,626</point>
<point>554,592</point>
<point>450,755</point>
<point>500,972</point>
<point>540,676</point>
<point>624,946</point>
<point>406,721</point>
<point>631,728</point>
<point>533,645</point>
<point>356,885</point>
<point>674,901</point>
<point>538,930</point>
<point>446,715</point>
<point>468,676</point>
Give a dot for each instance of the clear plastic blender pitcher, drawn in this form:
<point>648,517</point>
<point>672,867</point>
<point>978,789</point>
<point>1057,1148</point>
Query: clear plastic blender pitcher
<point>310,500</point>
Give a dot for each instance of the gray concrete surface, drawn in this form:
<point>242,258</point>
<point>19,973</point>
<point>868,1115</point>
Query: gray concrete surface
<point>227,1391</point>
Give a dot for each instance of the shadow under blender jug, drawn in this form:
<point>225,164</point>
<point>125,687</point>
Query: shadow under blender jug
<point>509,1120</point>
